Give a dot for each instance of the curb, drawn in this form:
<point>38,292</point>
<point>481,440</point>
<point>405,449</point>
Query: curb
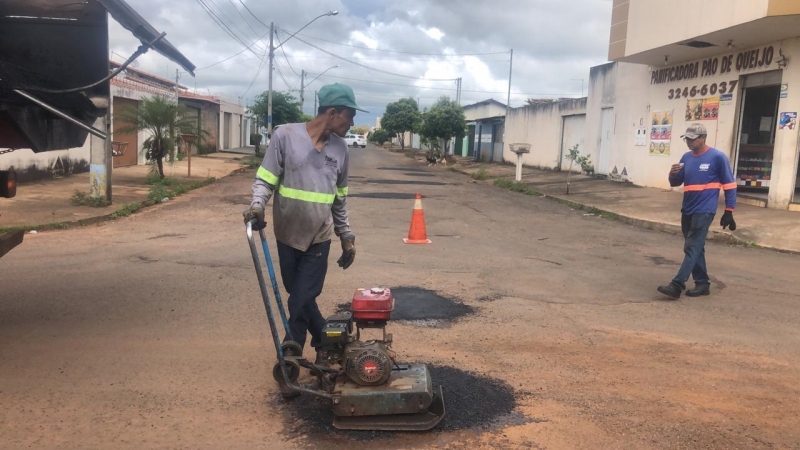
<point>716,236</point>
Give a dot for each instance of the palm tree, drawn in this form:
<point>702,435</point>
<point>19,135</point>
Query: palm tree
<point>164,120</point>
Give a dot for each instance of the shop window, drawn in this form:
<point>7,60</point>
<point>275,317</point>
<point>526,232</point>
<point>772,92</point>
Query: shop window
<point>757,138</point>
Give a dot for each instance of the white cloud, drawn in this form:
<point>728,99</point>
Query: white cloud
<point>433,33</point>
<point>552,45</point>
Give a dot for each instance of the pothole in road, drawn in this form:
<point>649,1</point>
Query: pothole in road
<point>422,307</point>
<point>472,401</point>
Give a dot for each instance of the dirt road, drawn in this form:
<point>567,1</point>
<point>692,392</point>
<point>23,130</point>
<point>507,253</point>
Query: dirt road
<point>149,332</point>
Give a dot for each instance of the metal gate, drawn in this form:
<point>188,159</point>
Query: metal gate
<point>604,141</point>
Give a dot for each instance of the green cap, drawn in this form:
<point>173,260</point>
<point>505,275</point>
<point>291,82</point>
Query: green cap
<point>338,95</point>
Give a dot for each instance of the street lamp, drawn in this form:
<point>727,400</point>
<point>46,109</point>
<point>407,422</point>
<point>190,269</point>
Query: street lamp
<point>272,57</point>
<point>304,85</point>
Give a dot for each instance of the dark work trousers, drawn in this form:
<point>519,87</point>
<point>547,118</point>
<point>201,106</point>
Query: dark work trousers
<point>303,275</point>
<point>695,229</point>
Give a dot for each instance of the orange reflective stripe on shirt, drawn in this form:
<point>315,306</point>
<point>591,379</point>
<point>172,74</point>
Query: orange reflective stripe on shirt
<point>729,186</point>
<point>703,187</point>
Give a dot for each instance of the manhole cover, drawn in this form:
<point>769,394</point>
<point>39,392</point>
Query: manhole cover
<point>422,307</point>
<point>471,401</point>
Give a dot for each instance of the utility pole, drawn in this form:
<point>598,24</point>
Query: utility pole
<point>302,88</point>
<point>269,94</point>
<point>510,66</point>
<point>458,90</point>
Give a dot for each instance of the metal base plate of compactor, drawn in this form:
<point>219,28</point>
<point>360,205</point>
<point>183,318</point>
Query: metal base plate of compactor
<point>406,402</point>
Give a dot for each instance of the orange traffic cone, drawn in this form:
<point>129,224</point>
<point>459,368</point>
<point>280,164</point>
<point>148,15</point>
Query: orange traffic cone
<point>417,233</point>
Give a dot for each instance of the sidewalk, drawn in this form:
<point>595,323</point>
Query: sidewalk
<point>651,208</point>
<point>48,202</point>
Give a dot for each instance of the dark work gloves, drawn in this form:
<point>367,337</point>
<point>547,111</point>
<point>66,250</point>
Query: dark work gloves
<point>727,221</point>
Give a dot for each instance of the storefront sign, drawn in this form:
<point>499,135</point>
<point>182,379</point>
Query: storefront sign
<point>703,90</point>
<point>748,60</point>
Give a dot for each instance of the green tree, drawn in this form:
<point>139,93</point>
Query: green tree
<point>445,120</point>
<point>380,136</point>
<point>161,118</point>
<point>285,109</point>
<point>400,117</point>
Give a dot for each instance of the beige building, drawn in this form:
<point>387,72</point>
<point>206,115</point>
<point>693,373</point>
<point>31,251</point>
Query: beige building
<point>731,66</point>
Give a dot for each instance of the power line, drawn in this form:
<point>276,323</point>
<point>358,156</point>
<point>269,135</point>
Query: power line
<point>254,16</point>
<point>402,52</point>
<point>220,14</point>
<point>221,23</point>
<point>237,54</point>
<point>370,67</point>
<point>402,60</point>
<point>284,55</point>
<point>242,16</point>
<point>258,72</point>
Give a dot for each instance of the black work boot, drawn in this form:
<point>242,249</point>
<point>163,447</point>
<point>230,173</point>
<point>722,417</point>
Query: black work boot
<point>322,359</point>
<point>671,290</point>
<point>699,289</point>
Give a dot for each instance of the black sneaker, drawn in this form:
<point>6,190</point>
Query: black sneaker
<point>670,290</point>
<point>699,289</point>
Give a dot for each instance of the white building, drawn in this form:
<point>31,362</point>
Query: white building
<point>730,71</point>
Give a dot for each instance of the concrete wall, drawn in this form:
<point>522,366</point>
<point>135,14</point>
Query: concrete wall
<point>234,125</point>
<point>541,127</point>
<point>482,111</point>
<point>32,166</point>
<point>208,120</point>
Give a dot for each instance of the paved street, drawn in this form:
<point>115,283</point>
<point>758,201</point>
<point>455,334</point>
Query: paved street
<point>149,331</point>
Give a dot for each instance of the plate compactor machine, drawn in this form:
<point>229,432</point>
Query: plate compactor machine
<point>366,387</point>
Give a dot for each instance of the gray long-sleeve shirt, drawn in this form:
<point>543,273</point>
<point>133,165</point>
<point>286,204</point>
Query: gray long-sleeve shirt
<point>311,186</point>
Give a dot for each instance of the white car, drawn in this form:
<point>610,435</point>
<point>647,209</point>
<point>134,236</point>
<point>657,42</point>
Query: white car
<point>355,140</point>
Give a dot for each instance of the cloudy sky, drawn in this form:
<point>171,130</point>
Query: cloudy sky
<point>417,46</point>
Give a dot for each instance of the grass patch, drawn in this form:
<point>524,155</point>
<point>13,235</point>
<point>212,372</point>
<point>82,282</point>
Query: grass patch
<point>126,210</point>
<point>171,187</point>
<point>83,199</point>
<point>252,162</point>
<point>516,186</point>
<point>481,174</point>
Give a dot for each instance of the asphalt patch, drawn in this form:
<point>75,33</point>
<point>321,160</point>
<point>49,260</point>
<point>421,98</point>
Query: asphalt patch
<point>472,401</point>
<point>386,195</point>
<point>404,169</point>
<point>422,307</point>
<point>419,174</point>
<point>423,183</point>
<point>662,261</point>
